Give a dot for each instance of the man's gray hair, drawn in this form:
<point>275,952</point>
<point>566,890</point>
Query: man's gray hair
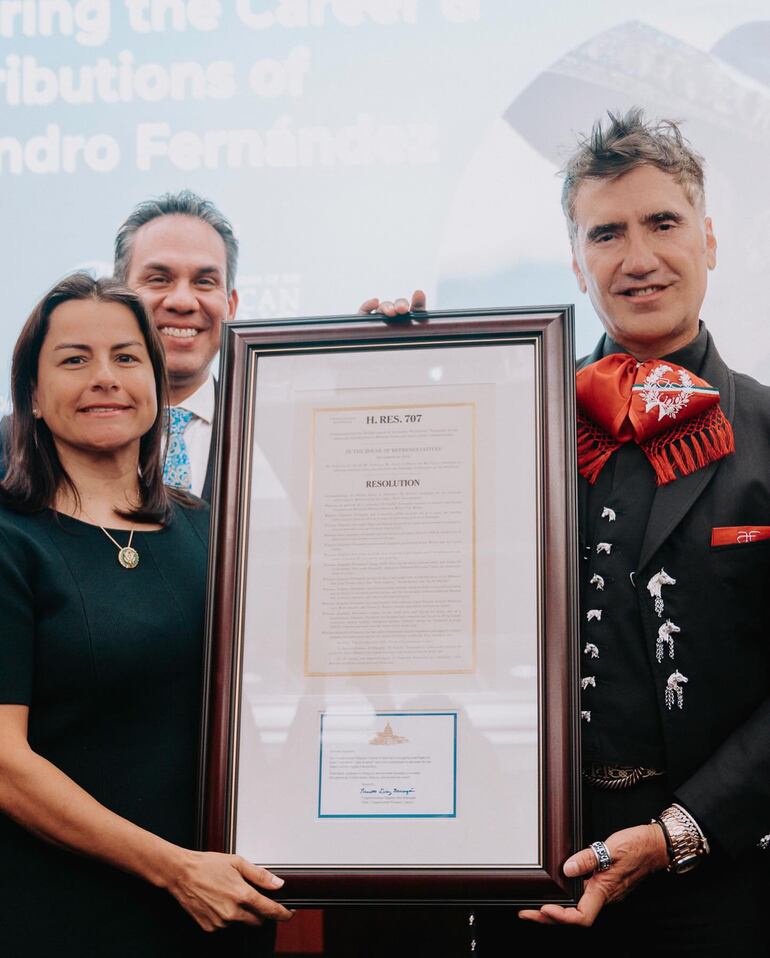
<point>184,203</point>
<point>626,142</point>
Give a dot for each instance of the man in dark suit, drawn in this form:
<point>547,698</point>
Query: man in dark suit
<point>675,538</point>
<point>179,252</point>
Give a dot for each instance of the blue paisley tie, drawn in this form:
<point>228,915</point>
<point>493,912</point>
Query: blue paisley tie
<point>177,471</point>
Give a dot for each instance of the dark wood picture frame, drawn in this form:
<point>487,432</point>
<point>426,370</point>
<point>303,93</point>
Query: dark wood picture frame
<point>551,329</point>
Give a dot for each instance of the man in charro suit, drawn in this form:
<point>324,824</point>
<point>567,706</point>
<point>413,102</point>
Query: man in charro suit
<point>674,508</point>
<point>673,451</point>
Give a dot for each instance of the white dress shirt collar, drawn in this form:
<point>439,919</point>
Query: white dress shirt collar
<point>201,403</point>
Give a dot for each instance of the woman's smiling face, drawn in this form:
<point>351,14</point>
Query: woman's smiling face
<point>95,386</point>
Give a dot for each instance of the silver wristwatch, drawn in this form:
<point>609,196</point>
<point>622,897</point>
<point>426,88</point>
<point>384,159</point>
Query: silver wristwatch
<point>686,842</point>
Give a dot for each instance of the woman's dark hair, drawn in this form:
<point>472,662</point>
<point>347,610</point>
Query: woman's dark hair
<point>35,472</point>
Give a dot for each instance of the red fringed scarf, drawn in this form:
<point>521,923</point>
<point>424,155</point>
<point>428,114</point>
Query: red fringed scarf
<point>673,416</point>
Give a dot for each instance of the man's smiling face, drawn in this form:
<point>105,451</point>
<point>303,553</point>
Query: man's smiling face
<point>642,252</point>
<point>178,266</point>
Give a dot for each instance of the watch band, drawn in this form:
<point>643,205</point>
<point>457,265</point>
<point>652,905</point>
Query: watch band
<point>684,838</point>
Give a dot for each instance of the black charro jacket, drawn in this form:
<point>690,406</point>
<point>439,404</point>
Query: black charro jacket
<point>718,743</point>
<point>208,482</point>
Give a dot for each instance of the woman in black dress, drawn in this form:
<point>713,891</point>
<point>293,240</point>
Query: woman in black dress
<point>102,573</point>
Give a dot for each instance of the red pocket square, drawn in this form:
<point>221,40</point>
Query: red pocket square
<point>738,535</point>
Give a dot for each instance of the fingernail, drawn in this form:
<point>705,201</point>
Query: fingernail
<point>276,882</point>
<point>570,869</point>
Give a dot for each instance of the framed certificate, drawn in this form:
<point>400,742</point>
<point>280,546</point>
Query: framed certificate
<point>392,681</point>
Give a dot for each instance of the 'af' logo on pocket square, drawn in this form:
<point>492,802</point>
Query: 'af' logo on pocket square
<point>738,535</point>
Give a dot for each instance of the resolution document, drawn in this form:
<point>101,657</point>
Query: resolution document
<point>391,676</point>
<point>391,540</point>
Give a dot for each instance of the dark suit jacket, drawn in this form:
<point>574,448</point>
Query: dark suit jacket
<point>209,480</point>
<point>718,743</point>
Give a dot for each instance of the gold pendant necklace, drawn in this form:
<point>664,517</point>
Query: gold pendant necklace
<point>128,557</point>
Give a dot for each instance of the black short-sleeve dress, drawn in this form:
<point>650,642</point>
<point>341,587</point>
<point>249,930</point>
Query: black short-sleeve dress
<point>109,661</point>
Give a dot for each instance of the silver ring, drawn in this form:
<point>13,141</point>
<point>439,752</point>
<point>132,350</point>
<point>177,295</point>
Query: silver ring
<point>603,857</point>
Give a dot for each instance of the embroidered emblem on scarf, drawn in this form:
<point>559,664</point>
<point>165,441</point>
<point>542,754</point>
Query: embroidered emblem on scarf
<point>671,414</point>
